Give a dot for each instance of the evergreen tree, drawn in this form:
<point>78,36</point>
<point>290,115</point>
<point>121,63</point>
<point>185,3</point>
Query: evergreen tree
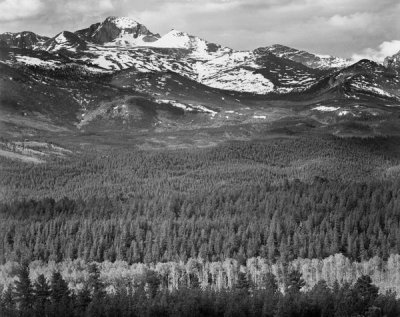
<point>24,291</point>
<point>41,294</point>
<point>365,293</point>
<point>153,282</point>
<point>243,283</point>
<point>83,299</point>
<point>95,283</point>
<point>7,303</point>
<point>59,295</point>
<point>322,299</point>
<point>97,305</point>
<point>294,282</point>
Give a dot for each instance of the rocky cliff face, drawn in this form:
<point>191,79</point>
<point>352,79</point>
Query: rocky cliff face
<point>112,28</point>
<point>392,62</point>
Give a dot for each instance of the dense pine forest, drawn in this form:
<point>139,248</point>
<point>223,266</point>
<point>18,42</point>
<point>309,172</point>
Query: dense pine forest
<point>278,200</point>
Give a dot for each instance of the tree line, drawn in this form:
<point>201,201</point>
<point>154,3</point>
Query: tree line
<point>147,298</point>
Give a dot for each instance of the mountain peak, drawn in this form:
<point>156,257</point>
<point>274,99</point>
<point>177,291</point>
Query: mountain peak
<point>122,22</point>
<point>280,46</point>
<point>120,31</point>
<point>65,40</point>
<point>175,32</point>
<point>311,60</point>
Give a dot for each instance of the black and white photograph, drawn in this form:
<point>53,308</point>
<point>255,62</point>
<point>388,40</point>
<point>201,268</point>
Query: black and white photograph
<point>200,158</point>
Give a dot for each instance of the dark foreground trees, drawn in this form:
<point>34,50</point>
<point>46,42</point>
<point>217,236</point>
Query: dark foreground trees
<point>149,298</point>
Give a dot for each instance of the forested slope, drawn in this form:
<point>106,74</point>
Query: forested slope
<point>280,199</point>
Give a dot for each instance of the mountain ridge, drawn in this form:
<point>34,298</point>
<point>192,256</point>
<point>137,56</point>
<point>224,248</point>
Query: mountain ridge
<point>117,73</point>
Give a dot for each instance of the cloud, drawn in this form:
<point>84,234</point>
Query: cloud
<point>380,53</point>
<point>87,7</point>
<point>19,9</point>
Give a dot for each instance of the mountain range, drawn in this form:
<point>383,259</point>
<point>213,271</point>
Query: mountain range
<point>117,75</point>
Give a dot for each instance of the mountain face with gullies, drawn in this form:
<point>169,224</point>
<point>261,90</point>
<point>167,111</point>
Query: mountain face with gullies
<point>120,59</point>
<point>118,31</point>
<point>393,62</point>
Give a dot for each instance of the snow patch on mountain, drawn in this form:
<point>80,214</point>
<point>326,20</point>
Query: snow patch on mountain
<point>177,39</point>
<point>127,40</point>
<point>366,86</point>
<point>198,47</point>
<point>223,63</point>
<point>124,22</point>
<point>242,80</point>
<point>187,107</point>
<point>34,61</point>
<point>326,108</point>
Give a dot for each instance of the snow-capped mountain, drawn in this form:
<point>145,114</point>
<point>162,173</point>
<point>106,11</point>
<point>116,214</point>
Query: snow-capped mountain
<point>122,43</point>
<point>64,40</point>
<point>118,74</point>
<point>198,47</point>
<point>308,59</point>
<point>119,32</point>
<point>362,80</point>
<point>25,40</point>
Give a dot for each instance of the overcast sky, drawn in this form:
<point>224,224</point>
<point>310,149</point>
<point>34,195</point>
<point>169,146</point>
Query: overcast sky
<point>347,28</point>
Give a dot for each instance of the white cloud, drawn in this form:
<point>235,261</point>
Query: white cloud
<point>18,9</point>
<point>356,20</point>
<point>378,54</point>
<point>87,7</point>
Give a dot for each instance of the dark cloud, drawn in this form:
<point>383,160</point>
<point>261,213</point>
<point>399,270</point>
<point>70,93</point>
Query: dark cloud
<point>339,27</point>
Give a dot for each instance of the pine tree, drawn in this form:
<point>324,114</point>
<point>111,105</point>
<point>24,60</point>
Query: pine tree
<point>24,291</point>
<point>7,303</point>
<point>153,282</point>
<point>269,283</point>
<point>243,283</point>
<point>365,293</point>
<point>59,295</point>
<point>294,282</point>
<point>95,283</point>
<point>83,299</point>
<point>41,293</point>
<point>97,288</point>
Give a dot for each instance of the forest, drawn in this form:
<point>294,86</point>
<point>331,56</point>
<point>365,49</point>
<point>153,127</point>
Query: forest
<point>278,200</point>
<point>147,298</point>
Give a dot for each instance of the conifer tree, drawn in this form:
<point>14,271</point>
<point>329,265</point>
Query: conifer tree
<point>83,299</point>
<point>24,291</point>
<point>153,282</point>
<point>243,283</point>
<point>294,282</point>
<point>59,295</point>
<point>7,303</point>
<point>41,293</point>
